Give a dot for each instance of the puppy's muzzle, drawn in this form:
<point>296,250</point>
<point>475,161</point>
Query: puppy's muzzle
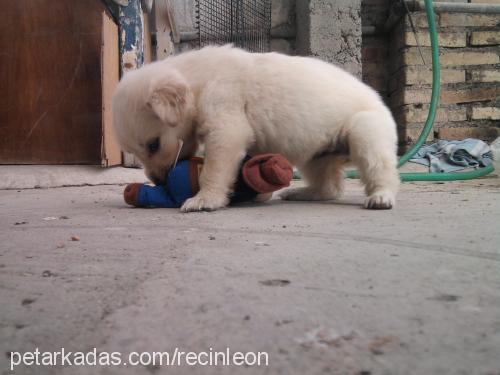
<point>158,178</point>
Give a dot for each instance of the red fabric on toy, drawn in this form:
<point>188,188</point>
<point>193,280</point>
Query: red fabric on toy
<point>267,173</point>
<point>130,194</point>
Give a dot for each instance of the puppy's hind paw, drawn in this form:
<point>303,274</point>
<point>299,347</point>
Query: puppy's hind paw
<point>204,202</point>
<point>382,200</point>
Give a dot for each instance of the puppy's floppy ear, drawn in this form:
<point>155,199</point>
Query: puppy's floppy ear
<point>170,98</point>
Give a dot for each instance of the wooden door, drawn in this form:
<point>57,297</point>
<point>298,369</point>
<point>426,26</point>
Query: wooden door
<point>50,82</point>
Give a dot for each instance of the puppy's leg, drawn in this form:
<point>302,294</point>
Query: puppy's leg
<point>371,136</point>
<point>226,141</point>
<point>325,179</point>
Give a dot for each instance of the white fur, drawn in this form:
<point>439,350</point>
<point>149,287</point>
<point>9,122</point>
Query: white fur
<point>237,102</point>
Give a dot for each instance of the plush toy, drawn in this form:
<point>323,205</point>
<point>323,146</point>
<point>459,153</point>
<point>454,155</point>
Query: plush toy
<point>258,177</point>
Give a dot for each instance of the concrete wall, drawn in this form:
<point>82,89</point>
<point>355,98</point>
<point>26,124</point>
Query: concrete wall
<point>331,31</point>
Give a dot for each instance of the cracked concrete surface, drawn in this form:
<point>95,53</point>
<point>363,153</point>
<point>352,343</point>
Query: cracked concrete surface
<point>324,288</point>
<point>331,31</point>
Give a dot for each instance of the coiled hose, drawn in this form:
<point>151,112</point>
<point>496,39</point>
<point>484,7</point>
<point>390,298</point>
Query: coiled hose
<point>436,88</point>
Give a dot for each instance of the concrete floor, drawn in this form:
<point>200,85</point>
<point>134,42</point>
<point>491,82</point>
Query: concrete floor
<point>47,176</point>
<point>324,288</point>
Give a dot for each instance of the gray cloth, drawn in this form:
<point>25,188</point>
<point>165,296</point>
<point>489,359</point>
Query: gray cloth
<point>451,156</point>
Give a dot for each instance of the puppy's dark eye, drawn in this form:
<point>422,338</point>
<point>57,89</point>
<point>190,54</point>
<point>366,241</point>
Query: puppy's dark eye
<point>154,146</point>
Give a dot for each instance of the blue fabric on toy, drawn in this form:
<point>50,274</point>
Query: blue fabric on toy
<point>172,195</point>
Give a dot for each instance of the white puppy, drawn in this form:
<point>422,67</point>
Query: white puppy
<point>235,102</point>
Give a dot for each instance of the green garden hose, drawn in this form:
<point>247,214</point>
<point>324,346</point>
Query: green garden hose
<point>436,88</point>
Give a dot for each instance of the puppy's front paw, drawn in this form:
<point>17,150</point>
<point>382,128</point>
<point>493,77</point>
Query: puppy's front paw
<point>382,200</point>
<point>204,202</point>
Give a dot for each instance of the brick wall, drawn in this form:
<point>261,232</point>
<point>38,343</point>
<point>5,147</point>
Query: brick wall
<point>470,77</point>
<point>375,46</point>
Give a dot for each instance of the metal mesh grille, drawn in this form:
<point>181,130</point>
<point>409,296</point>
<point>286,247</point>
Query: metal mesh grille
<point>245,23</point>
